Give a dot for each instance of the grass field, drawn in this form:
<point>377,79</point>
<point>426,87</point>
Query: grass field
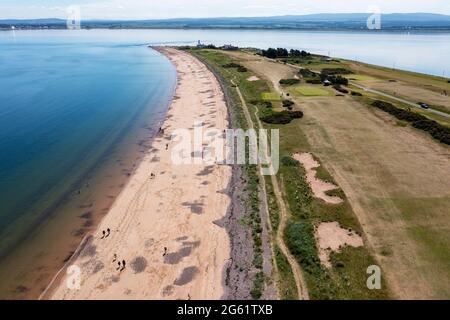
<point>359,77</point>
<point>270,96</point>
<point>311,91</point>
<point>394,179</point>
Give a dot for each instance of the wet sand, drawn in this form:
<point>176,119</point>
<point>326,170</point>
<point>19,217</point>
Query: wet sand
<point>178,208</point>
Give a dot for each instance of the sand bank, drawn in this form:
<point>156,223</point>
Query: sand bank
<point>177,209</point>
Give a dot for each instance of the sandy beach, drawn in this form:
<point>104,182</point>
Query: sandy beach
<point>164,205</point>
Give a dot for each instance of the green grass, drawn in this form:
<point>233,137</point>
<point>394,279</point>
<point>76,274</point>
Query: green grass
<point>286,285</point>
<point>347,278</point>
<point>344,282</point>
<point>270,96</point>
<point>359,77</point>
<point>311,91</point>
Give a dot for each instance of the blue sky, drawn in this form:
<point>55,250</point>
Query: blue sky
<point>148,9</point>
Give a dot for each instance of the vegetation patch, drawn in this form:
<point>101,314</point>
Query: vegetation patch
<point>338,87</point>
<point>289,82</point>
<point>270,96</point>
<point>346,279</point>
<point>282,117</point>
<point>310,91</point>
<point>436,130</point>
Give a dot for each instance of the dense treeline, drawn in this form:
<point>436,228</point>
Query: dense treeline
<point>273,53</point>
<point>436,130</point>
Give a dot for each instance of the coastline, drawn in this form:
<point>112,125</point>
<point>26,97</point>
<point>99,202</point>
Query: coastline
<point>78,202</point>
<point>185,221</point>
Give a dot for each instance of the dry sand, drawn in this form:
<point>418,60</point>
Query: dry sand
<point>177,209</point>
<point>331,237</point>
<point>318,187</point>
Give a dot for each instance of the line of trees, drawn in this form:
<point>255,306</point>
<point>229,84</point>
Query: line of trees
<point>418,121</point>
<point>273,53</point>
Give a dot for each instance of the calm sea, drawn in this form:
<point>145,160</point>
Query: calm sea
<point>78,108</point>
<point>75,117</point>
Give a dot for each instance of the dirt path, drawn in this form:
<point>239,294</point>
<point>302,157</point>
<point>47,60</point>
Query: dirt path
<point>299,281</point>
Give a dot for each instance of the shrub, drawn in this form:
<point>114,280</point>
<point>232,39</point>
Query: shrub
<point>334,79</point>
<point>288,161</point>
<point>267,104</point>
<point>289,82</point>
<point>301,242</point>
<point>283,117</point>
<point>314,81</point>
<point>307,73</point>
<point>231,65</point>
<point>335,71</point>
<point>287,103</point>
<point>242,69</point>
<point>340,89</point>
<point>354,93</point>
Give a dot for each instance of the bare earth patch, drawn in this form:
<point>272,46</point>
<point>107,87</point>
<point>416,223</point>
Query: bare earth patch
<point>331,237</point>
<point>253,78</point>
<point>319,187</point>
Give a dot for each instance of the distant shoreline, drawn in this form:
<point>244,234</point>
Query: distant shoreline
<point>362,30</point>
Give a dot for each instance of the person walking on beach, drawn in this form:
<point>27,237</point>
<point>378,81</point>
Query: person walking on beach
<point>165,251</point>
<point>123,265</point>
<point>119,265</point>
<point>114,257</point>
<point>104,234</point>
<point>167,146</point>
<point>108,232</point>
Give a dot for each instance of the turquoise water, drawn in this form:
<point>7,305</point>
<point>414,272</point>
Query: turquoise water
<point>64,107</point>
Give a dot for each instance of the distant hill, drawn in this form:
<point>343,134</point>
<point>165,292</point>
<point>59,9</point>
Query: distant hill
<point>326,21</point>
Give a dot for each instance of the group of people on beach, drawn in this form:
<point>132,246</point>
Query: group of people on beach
<point>106,233</point>
<point>120,264</point>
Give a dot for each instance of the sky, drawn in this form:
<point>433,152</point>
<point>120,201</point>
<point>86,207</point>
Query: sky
<point>156,9</point>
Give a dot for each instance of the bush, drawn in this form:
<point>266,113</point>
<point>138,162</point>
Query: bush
<point>335,71</point>
<point>283,117</point>
<point>301,242</point>
<point>242,69</point>
<point>314,81</point>
<point>354,93</point>
<point>340,89</point>
<point>334,79</point>
<point>231,65</point>
<point>307,73</point>
<point>287,103</point>
<point>289,82</point>
<point>267,104</point>
<point>288,161</point>
<point>418,121</point>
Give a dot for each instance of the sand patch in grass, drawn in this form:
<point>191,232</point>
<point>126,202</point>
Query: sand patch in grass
<point>331,237</point>
<point>318,187</point>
